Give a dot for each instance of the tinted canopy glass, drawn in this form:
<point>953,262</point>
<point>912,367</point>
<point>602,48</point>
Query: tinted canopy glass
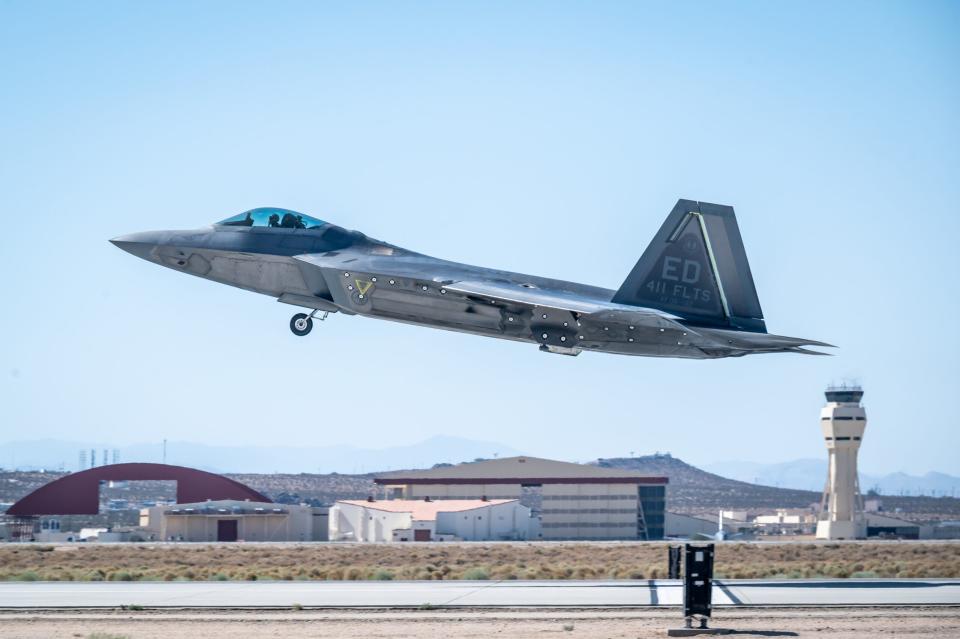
<point>277,218</point>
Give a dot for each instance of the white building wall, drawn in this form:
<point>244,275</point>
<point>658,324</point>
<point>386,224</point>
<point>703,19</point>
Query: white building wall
<point>55,536</point>
<point>351,522</point>
<point>490,523</point>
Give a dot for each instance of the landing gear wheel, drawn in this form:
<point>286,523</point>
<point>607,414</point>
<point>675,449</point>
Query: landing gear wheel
<point>301,324</point>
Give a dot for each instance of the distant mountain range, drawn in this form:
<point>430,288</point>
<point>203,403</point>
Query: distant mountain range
<point>810,474</point>
<point>65,455</point>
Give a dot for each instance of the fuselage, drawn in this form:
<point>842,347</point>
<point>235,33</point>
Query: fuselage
<point>331,269</point>
<point>261,260</point>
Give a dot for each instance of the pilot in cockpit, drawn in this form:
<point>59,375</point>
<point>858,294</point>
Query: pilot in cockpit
<point>273,218</point>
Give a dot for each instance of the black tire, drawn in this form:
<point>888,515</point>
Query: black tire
<point>301,324</point>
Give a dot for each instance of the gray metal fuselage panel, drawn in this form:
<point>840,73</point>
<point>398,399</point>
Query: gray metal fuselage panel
<point>332,268</point>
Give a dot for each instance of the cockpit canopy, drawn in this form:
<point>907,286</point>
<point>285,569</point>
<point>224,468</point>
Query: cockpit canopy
<point>271,217</point>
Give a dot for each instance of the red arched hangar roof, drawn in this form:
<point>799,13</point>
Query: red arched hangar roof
<point>79,493</point>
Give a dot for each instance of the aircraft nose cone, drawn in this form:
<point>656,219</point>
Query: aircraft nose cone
<point>139,244</point>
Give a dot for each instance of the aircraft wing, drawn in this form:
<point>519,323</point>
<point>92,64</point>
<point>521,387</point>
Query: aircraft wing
<point>559,300</point>
<point>525,295</point>
<point>451,279</point>
<point>416,267</point>
<point>383,262</point>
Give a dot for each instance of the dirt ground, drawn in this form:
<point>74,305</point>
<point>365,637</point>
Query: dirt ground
<point>840,623</point>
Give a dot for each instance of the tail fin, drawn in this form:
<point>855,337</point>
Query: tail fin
<point>696,268</point>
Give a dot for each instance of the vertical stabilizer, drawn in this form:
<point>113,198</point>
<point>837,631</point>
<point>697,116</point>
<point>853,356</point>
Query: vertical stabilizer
<point>697,269</point>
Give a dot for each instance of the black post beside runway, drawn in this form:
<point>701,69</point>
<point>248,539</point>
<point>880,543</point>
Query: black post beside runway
<point>673,567</point>
<point>698,582</point>
<point>697,589</point>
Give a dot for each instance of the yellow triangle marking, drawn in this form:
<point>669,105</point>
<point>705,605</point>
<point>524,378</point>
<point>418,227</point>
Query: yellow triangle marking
<point>363,286</point>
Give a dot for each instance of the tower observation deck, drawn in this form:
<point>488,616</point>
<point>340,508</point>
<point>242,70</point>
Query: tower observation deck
<point>842,421</point>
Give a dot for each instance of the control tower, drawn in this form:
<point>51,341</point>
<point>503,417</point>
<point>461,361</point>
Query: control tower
<point>842,421</point>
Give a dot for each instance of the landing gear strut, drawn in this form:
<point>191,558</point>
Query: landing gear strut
<point>301,324</point>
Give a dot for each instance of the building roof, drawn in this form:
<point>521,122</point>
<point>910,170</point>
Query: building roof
<point>231,505</point>
<point>422,510</point>
<point>875,520</point>
<point>519,470</point>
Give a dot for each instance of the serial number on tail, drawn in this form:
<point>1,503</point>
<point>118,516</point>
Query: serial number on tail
<point>670,291</point>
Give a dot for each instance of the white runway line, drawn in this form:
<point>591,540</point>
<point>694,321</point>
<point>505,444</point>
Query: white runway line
<point>478,594</point>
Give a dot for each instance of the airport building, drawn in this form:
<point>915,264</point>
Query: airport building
<point>429,520</point>
<point>234,520</point>
<point>36,515</point>
<point>208,507</point>
<point>727,524</point>
<point>572,501</point>
<point>787,521</point>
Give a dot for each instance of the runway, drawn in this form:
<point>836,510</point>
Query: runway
<point>473,594</point>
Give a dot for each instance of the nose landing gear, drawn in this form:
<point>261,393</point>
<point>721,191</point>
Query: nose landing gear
<point>301,324</point>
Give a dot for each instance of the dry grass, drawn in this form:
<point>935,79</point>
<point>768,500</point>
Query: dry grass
<point>168,562</point>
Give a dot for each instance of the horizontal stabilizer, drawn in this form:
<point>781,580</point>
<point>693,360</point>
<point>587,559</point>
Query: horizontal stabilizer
<point>760,341</point>
<point>807,351</point>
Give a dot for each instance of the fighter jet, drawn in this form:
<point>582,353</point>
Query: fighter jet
<point>690,295</point>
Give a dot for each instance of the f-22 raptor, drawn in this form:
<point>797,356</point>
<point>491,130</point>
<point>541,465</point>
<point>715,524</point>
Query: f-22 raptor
<point>690,295</point>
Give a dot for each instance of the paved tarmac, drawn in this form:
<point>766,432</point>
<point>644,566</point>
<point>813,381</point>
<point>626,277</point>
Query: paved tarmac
<point>476,594</point>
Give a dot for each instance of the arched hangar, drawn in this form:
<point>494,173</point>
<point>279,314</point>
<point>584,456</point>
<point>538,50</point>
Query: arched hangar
<point>79,493</point>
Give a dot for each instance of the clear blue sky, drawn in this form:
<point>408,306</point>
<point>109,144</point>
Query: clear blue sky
<point>547,138</point>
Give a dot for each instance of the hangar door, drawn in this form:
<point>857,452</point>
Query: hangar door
<point>227,530</point>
